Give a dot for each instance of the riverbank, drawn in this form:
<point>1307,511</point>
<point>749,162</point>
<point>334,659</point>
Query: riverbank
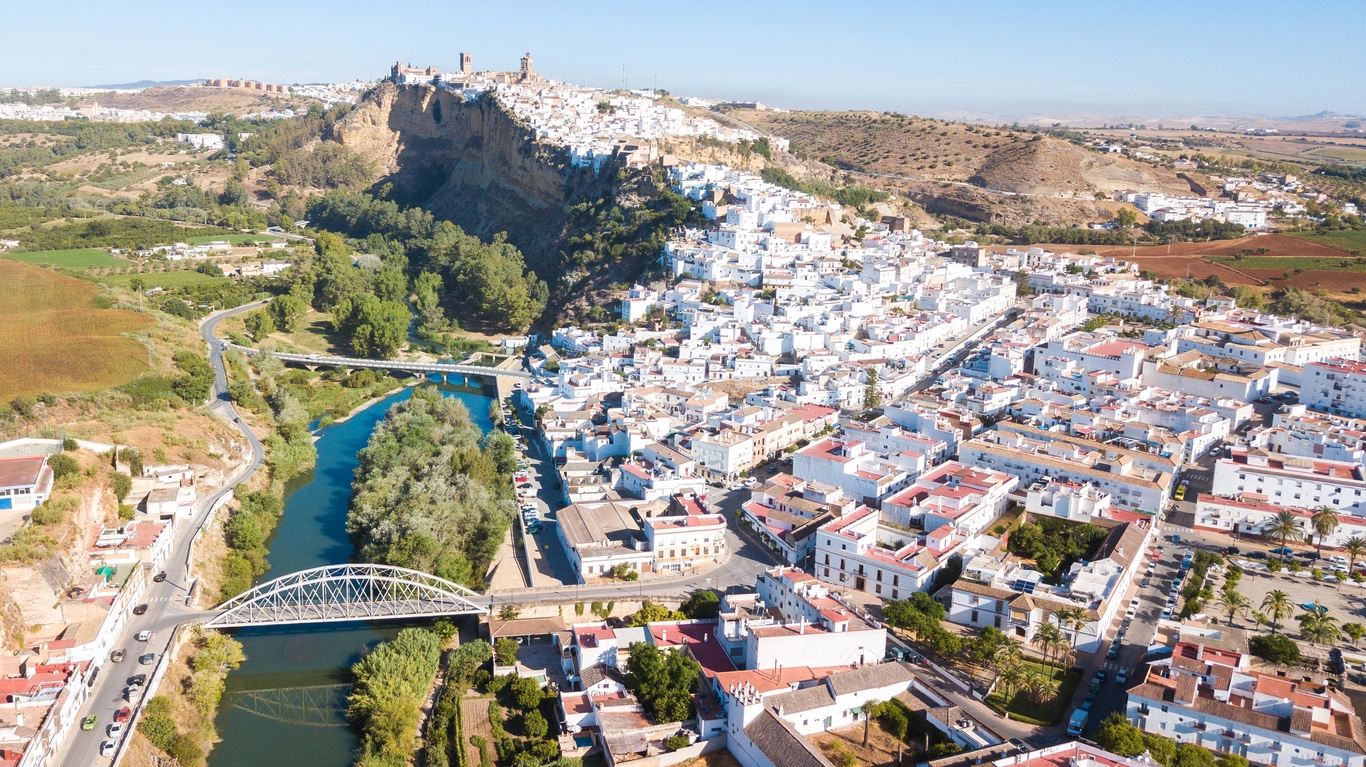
<point>286,705</point>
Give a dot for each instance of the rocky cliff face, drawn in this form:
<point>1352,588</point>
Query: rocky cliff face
<point>471,162</point>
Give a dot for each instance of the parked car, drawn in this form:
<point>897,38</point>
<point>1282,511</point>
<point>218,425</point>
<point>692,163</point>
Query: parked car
<point>1180,492</point>
<point>137,679</point>
<point>140,609</point>
<point>147,659</point>
<point>108,748</point>
<point>114,730</point>
<point>117,655</point>
<point>1284,550</point>
<point>1100,676</point>
<point>159,578</point>
<point>1144,583</point>
<point>1256,555</point>
<point>1122,676</point>
<point>1113,652</point>
<point>1166,613</point>
<point>88,723</point>
<point>145,636</point>
<point>123,714</point>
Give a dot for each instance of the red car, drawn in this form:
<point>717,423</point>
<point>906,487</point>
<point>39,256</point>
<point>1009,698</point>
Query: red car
<point>122,714</point>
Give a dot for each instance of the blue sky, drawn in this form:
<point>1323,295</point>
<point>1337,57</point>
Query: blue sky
<point>1150,59</point>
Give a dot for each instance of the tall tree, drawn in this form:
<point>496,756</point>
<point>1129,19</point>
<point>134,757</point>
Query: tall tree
<point>1325,523</point>
<point>1277,605</point>
<point>1233,603</point>
<point>1354,548</point>
<point>1285,526</point>
<point>1318,627</point>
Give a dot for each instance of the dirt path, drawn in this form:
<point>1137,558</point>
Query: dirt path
<point>476,713</point>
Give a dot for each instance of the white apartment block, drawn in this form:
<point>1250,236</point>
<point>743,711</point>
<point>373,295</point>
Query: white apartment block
<point>851,466</point>
<point>1198,697</point>
<point>1335,386</point>
<point>1137,481</point>
<point>1291,480</point>
<point>1253,514</point>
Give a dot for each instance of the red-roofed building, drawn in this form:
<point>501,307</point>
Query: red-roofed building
<point>25,482</point>
<point>966,498</point>
<point>851,466</point>
<point>1201,696</point>
<point>1293,481</point>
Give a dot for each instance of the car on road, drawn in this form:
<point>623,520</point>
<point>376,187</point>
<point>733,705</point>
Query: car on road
<point>1113,652</point>
<point>1089,702</point>
<point>108,748</point>
<point>1144,583</point>
<point>123,714</point>
<point>1232,550</point>
<point>1135,603</point>
<point>145,636</point>
<point>140,609</point>
<point>147,659</point>
<point>159,578</point>
<point>88,723</point>
<point>1256,555</point>
<point>1166,613</point>
<point>114,730</point>
<point>1100,676</point>
<point>137,679</point>
<point>1122,676</point>
<point>117,655</point>
<point>1180,494</point>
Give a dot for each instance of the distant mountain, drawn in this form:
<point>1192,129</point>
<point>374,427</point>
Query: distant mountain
<point>1324,115</point>
<point>141,84</point>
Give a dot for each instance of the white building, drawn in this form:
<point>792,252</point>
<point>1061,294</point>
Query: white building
<point>1335,386</point>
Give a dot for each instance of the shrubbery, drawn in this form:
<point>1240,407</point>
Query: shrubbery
<point>388,688</point>
<point>431,493</point>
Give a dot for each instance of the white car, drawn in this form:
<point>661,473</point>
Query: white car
<point>145,636</point>
<point>107,748</point>
<point>1134,604</point>
<point>115,730</point>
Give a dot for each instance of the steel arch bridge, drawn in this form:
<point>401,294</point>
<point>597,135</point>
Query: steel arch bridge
<point>352,592</point>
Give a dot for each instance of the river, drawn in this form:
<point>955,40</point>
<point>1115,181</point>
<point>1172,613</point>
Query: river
<point>285,705</point>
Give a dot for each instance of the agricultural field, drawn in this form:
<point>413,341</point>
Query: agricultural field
<point>181,278</point>
<point>75,258</point>
<point>1345,241</point>
<point>53,338</point>
<point>235,239</point>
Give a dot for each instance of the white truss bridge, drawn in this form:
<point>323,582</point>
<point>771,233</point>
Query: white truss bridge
<point>354,592</point>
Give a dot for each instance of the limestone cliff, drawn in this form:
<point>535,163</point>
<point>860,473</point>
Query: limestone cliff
<point>470,161</point>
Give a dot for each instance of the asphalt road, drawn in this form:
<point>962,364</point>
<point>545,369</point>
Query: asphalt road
<point>165,601</point>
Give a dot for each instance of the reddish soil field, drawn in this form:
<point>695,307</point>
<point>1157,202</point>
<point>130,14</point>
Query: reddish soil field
<point>1188,258</point>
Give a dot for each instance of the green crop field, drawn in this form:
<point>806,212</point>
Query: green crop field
<point>78,258</point>
<point>235,239</point>
<point>52,338</point>
<point>1291,263</point>
<point>164,280</point>
<point>1347,154</point>
<point>1345,241</point>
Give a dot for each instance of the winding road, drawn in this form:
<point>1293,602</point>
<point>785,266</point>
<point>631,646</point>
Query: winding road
<point>167,602</point>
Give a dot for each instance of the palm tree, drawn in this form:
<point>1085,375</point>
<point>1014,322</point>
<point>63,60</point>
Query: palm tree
<point>1325,522</point>
<point>1286,526</point>
<point>1037,685</point>
<point>1063,648</point>
<point>1354,548</point>
<point>1233,603</point>
<point>1074,617</point>
<point>1008,653</point>
<point>1046,637</point>
<point>1277,605</point>
<point>1318,627</point>
<point>1012,677</point>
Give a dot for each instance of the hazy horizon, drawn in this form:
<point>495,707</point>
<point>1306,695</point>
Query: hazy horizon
<point>1249,59</point>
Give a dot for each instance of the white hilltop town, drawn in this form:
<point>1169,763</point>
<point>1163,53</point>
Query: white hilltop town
<point>921,473</point>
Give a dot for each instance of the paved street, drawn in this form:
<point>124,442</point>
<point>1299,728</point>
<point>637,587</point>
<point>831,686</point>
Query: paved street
<point>165,602</point>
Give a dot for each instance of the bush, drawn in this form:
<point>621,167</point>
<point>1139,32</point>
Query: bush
<point>121,484</point>
<point>1275,648</point>
<point>63,466</point>
<point>675,742</point>
<point>535,725</point>
<point>70,444</point>
<point>505,650</point>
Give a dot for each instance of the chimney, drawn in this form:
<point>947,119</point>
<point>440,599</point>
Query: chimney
<point>663,635</point>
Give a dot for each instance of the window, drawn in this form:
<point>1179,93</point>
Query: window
<point>827,572</point>
<point>896,580</point>
<point>974,616</point>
